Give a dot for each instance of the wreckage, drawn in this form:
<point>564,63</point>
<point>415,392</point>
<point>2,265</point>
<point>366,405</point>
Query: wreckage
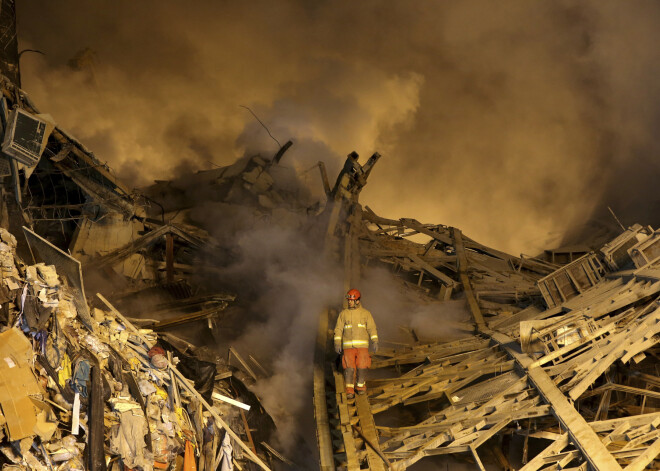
<point>562,364</point>
<point>560,371</point>
<point>82,386</point>
<point>99,389</point>
<point>67,373</point>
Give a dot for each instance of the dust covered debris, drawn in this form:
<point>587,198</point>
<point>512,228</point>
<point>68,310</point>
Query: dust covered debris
<point>107,395</point>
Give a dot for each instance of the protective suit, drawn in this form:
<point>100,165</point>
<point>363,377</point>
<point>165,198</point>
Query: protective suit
<point>354,332</point>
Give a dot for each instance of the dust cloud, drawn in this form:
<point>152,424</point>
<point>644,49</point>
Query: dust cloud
<point>514,122</point>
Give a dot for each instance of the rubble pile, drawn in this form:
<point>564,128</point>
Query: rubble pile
<point>560,372</point>
<point>106,397</point>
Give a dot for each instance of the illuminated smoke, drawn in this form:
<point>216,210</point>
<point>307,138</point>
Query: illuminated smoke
<point>509,121</point>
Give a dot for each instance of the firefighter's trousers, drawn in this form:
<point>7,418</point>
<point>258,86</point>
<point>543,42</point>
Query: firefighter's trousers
<point>355,359</point>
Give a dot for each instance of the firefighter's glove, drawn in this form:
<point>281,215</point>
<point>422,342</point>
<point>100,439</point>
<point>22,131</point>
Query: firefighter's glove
<point>338,348</point>
<point>374,347</point>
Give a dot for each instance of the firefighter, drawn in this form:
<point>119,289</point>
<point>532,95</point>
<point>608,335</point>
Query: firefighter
<point>354,332</point>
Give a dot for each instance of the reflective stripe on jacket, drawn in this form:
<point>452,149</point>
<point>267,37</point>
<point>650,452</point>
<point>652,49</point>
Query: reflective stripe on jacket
<point>355,328</point>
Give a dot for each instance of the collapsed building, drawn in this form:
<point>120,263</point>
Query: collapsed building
<point>85,387</point>
<point>559,373</point>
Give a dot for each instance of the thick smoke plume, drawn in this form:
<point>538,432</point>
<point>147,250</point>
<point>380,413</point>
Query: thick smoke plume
<point>512,121</point>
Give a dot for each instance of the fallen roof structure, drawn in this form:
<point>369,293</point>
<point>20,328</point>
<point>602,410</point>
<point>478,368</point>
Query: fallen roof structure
<point>564,356</point>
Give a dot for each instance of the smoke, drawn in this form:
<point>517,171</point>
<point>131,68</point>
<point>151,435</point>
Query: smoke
<point>396,309</point>
<point>274,262</point>
<point>622,45</point>
<point>514,122</point>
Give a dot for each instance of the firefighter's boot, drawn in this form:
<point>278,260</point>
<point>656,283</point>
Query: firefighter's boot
<point>349,381</point>
<point>361,385</point>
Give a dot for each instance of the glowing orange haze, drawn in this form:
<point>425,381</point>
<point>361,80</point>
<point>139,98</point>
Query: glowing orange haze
<point>513,122</point>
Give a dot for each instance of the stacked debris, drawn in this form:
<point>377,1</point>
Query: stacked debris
<point>560,354</point>
<point>432,268</point>
<point>79,395</point>
<point>130,247</point>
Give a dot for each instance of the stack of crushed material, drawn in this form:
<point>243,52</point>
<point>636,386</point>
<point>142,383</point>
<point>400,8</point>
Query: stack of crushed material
<point>560,354</point>
<point>75,398</point>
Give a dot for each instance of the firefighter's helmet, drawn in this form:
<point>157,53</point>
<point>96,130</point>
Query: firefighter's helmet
<point>353,294</point>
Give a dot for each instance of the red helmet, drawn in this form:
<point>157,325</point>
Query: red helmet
<point>353,294</point>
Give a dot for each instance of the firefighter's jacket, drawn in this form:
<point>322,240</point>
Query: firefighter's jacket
<point>355,328</point>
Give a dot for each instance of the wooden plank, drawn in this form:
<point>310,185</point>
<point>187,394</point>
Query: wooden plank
<point>582,435</point>
<point>430,269</point>
<point>376,250</point>
<point>420,353</point>
<point>427,445</point>
<point>247,431</point>
<point>323,436</point>
<point>561,459</point>
<point>494,418</point>
<point>623,341</point>
<point>346,422</point>
<point>468,374</point>
<point>368,429</point>
<point>243,363</point>
<point>184,319</point>
<point>551,449</point>
<point>416,225</point>
<point>572,346</point>
<point>634,421</point>
<point>622,388</point>
<point>643,460</point>
<point>465,280</point>
<point>450,450</point>
<point>609,438</point>
<point>401,397</point>
<point>484,437</point>
<point>639,441</point>
<point>477,460</point>
<point>138,244</point>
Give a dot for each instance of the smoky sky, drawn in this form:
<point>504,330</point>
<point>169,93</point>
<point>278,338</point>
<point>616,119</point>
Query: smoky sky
<point>513,120</point>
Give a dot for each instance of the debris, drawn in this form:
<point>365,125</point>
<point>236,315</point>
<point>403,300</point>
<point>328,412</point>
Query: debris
<point>551,347</point>
<point>277,454</point>
<point>110,382</point>
<point>225,460</point>
<point>243,363</point>
<point>17,384</point>
<point>562,346</point>
<point>229,400</point>
<point>258,365</point>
